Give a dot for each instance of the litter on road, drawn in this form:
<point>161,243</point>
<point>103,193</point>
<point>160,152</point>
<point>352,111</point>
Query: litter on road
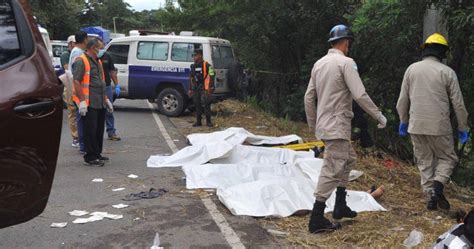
<point>256,181</point>
<point>59,225</point>
<point>98,180</point>
<point>132,176</point>
<point>119,206</point>
<point>96,216</point>
<point>118,189</point>
<point>151,194</point>
<point>78,213</point>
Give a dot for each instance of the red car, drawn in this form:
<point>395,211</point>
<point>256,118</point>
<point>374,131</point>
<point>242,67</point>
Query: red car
<point>30,116</point>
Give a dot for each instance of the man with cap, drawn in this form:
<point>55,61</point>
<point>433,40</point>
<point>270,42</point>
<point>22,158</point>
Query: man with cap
<point>428,89</point>
<point>67,82</point>
<point>201,87</point>
<point>334,84</point>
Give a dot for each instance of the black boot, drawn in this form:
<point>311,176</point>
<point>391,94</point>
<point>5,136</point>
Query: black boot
<point>318,223</point>
<point>208,121</point>
<point>437,198</point>
<point>198,122</point>
<point>341,209</point>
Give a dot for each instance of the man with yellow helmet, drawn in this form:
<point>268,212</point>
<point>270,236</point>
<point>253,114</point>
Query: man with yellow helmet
<point>427,90</point>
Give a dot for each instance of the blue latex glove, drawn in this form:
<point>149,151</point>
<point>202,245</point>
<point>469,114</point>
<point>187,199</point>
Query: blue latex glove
<point>463,137</point>
<point>403,129</point>
<point>117,90</point>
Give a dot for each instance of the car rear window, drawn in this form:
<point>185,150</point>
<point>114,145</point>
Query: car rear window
<point>153,51</point>
<point>119,53</point>
<point>9,41</point>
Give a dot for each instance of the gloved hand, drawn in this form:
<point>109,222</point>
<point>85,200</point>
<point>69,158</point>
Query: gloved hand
<point>83,108</point>
<point>110,107</point>
<point>403,129</point>
<point>117,90</point>
<point>463,137</point>
<point>382,122</point>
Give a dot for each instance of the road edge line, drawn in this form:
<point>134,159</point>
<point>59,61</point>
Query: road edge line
<point>229,234</point>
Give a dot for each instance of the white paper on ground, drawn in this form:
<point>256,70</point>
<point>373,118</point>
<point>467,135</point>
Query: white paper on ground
<point>196,154</point>
<point>236,135</point>
<point>87,220</point>
<point>355,174</point>
<point>78,213</point>
<point>118,189</point>
<point>107,215</point>
<point>97,180</point>
<point>119,206</point>
<point>132,176</point>
<point>59,224</point>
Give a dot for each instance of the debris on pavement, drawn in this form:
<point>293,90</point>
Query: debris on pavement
<point>151,194</point>
<point>276,232</point>
<point>156,242</point>
<point>78,213</point>
<point>59,224</point>
<point>415,238</point>
<point>96,216</point>
<point>132,176</point>
<point>97,180</point>
<point>119,206</point>
<point>118,189</point>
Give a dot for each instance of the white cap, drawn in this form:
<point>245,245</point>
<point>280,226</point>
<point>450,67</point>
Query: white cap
<point>71,38</point>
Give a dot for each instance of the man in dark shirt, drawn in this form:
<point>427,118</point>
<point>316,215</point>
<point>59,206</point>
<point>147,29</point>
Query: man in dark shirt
<point>71,43</point>
<point>93,101</point>
<point>110,75</point>
<point>201,87</point>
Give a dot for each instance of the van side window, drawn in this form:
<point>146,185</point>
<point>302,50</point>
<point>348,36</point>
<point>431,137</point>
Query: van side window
<point>119,53</point>
<point>153,51</point>
<point>184,51</point>
<point>9,41</point>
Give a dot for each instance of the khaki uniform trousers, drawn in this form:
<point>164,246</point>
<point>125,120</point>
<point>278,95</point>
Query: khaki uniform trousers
<point>435,158</point>
<point>71,116</point>
<point>339,159</point>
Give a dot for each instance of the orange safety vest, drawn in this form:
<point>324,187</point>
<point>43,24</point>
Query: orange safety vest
<point>205,75</point>
<point>86,80</point>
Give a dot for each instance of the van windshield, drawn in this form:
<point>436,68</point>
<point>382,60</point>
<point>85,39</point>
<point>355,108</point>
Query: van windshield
<point>222,56</point>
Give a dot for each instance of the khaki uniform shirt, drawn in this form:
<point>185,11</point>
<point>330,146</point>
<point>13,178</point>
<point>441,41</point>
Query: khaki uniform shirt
<point>427,89</point>
<point>335,82</point>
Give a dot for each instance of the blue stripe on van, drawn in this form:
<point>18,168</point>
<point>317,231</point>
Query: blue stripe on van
<point>144,80</point>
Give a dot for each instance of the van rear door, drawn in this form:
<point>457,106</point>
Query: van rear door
<point>30,116</point>
<point>223,59</point>
<point>120,54</point>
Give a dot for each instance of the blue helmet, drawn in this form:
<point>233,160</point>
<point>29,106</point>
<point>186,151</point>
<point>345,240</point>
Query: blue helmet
<point>339,32</point>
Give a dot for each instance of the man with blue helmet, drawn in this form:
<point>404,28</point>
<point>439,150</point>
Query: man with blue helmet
<point>334,84</point>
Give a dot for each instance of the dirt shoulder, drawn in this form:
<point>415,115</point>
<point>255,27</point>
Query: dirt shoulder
<point>403,197</point>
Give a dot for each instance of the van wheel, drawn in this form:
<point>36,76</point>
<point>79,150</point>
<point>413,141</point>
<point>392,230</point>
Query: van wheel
<point>170,102</point>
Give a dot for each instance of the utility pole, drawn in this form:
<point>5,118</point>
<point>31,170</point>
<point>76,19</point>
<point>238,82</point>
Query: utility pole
<point>115,27</point>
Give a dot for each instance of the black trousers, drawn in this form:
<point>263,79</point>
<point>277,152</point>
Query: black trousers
<point>202,102</point>
<point>94,125</point>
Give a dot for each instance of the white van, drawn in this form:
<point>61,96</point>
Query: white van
<point>157,67</point>
<point>59,48</point>
<point>47,42</point>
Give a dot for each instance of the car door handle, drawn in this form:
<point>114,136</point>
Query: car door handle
<point>122,71</point>
<point>34,108</point>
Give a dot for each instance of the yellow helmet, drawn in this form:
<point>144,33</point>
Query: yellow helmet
<point>435,38</point>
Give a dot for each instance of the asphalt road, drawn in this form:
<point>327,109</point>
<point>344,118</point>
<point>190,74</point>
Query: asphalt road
<point>181,218</point>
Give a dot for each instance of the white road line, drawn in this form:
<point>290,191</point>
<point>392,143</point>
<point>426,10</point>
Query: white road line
<point>229,234</point>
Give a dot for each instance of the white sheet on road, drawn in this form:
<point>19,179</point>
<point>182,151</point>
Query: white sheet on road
<point>196,154</point>
<point>236,135</point>
<point>255,181</point>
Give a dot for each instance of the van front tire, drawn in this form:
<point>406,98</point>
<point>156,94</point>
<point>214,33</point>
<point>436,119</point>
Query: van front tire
<point>170,102</point>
